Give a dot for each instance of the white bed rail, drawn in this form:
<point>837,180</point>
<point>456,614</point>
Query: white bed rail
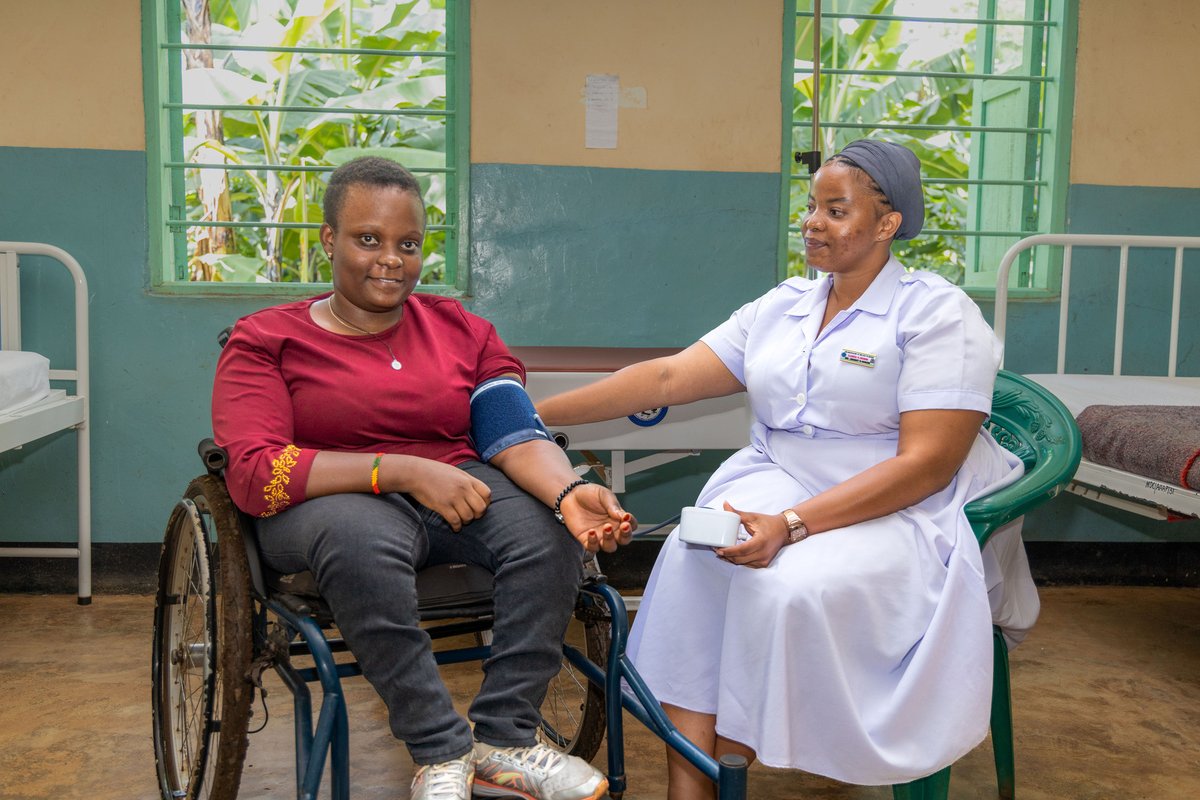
<point>10,339</point>
<point>1124,243</point>
<point>1111,486</point>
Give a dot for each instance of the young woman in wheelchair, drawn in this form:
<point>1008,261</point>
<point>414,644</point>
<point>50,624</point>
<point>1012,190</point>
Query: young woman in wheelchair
<point>372,431</point>
<point>848,633</point>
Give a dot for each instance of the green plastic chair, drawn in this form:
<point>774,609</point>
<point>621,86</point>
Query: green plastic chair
<point>1032,423</point>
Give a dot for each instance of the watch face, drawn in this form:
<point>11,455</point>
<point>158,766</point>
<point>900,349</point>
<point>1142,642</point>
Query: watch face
<point>795,526</point>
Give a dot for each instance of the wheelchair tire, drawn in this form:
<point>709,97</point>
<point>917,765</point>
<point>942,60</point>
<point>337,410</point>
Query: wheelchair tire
<point>203,643</point>
<point>573,717</point>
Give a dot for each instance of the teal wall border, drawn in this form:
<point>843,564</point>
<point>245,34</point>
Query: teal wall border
<point>578,256</point>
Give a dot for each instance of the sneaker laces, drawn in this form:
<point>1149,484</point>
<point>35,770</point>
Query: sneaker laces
<point>445,780</point>
<point>537,757</point>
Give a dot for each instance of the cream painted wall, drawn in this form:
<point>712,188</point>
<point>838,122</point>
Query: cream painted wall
<point>710,70</point>
<point>72,74</point>
<point>1137,95</point>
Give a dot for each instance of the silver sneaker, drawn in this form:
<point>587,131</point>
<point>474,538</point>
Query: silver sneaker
<point>448,780</point>
<point>538,772</point>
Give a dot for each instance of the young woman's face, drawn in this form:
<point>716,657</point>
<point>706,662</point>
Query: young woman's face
<point>375,246</point>
<point>844,223</point>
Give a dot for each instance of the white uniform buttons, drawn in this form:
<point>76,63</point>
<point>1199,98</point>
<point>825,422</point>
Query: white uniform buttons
<point>807,430</point>
<point>801,398</point>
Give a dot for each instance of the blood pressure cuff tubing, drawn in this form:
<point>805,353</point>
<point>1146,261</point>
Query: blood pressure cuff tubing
<point>503,415</point>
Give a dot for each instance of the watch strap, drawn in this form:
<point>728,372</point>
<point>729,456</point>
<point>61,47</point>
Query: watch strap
<point>796,529</point>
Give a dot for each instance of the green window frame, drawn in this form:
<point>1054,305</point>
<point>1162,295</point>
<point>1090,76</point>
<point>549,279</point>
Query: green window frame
<point>282,93</point>
<point>991,123</point>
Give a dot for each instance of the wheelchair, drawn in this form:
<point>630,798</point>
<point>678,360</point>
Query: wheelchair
<point>222,618</point>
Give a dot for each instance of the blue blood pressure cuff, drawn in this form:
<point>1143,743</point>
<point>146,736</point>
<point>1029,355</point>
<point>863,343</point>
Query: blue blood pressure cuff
<point>503,415</point>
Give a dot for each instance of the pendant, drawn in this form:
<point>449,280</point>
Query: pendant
<point>396,364</point>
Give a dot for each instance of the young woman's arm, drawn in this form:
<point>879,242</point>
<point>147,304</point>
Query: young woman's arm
<point>591,512</point>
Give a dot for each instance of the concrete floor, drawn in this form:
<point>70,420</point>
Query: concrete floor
<point>1106,693</point>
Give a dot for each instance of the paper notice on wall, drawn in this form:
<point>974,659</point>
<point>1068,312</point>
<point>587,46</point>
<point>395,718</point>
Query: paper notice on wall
<point>601,96</point>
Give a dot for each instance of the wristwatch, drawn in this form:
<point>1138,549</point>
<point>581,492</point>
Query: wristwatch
<point>796,529</point>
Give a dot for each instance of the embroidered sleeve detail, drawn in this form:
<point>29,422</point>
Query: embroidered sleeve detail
<point>275,492</point>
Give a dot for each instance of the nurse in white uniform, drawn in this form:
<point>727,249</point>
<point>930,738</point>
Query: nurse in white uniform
<point>848,633</point>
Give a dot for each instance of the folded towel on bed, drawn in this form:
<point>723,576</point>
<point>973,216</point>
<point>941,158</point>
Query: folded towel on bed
<point>1160,442</point>
<point>24,379</point>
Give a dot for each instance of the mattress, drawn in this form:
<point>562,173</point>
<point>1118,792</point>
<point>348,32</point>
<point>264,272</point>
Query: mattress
<point>1077,392</point>
<point>24,379</point>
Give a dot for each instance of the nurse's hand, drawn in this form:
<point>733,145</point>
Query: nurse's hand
<point>768,534</point>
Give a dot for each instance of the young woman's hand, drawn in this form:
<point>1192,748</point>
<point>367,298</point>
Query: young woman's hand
<point>448,490</point>
<point>595,518</point>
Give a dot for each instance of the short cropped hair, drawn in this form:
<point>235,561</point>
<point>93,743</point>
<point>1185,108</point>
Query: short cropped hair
<point>368,171</point>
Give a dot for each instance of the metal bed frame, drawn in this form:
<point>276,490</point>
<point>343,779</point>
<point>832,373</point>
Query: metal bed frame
<point>60,410</point>
<point>1104,484</point>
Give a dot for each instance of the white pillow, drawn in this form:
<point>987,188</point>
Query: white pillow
<point>24,379</point>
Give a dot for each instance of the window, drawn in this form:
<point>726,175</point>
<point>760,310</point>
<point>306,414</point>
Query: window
<point>251,103</point>
<point>978,89</point>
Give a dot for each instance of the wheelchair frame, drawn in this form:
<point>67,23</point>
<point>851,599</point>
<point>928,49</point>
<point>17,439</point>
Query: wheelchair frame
<point>219,624</point>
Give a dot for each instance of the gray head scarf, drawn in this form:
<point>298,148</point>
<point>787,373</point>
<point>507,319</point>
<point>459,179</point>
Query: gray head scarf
<point>898,172</point>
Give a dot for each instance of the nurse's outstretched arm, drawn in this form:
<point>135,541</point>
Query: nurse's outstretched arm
<point>691,374</point>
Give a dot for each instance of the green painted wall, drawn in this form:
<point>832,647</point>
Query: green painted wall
<point>152,357</point>
<point>561,255</point>
<point>582,256</point>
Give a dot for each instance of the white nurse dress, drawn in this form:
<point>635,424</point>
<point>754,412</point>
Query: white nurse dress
<point>862,653</point>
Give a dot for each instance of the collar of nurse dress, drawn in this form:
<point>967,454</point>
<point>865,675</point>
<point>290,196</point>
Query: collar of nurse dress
<point>877,299</point>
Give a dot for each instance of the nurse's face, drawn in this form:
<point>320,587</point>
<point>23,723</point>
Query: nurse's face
<point>846,224</point>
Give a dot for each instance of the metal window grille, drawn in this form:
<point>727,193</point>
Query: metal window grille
<point>981,109</point>
<point>258,100</point>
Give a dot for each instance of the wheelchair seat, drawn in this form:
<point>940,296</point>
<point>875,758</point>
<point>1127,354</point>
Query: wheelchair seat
<point>443,590</point>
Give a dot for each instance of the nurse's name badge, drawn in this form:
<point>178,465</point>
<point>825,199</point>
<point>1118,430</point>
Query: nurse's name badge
<point>859,358</point>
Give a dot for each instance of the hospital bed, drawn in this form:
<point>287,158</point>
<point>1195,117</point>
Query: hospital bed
<point>1116,483</point>
<point>30,409</point>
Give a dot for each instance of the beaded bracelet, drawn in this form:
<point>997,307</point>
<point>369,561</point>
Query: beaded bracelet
<point>375,473</point>
<point>563,496</point>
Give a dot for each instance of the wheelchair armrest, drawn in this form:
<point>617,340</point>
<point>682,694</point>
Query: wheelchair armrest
<point>213,456</point>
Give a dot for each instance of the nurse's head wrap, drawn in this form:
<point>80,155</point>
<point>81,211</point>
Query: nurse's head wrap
<point>897,171</point>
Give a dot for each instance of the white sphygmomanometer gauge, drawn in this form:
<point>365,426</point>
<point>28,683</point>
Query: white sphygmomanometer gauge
<point>649,417</point>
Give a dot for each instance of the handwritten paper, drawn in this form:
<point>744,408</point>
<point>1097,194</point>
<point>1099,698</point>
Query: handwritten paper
<point>601,96</point>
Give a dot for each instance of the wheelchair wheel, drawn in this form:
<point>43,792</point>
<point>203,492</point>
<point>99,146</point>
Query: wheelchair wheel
<point>573,718</point>
<point>202,648</point>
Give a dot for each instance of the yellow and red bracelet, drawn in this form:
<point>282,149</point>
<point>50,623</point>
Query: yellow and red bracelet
<point>375,473</point>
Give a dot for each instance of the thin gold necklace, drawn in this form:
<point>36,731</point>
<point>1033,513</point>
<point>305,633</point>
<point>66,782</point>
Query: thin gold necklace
<point>395,361</point>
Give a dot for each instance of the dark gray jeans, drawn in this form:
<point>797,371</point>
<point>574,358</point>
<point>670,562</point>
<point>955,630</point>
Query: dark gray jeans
<point>365,551</point>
